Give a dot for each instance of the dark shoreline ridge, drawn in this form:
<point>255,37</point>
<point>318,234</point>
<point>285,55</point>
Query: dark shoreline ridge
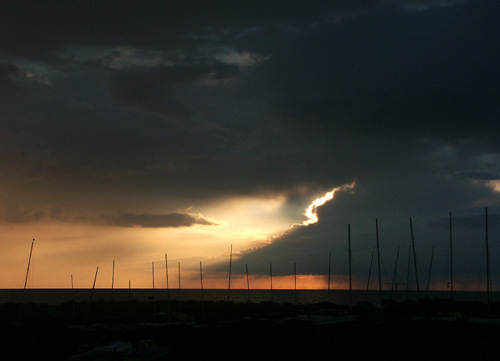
<point>222,330</point>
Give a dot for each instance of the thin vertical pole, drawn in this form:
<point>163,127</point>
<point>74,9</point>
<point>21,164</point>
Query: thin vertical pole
<point>166,269</point>
<point>408,269</point>
<point>95,278</point>
<point>29,263</point>
<point>333,271</point>
<point>271,278</point>
<point>201,277</point>
<point>230,265</point>
<point>229,273</point>
<point>129,288</point>
<point>451,257</point>
<point>153,273</point>
<point>179,270</point>
<point>414,254</point>
<point>93,285</point>
<point>395,272</point>
<point>248,282</point>
<point>295,281</point>
<point>329,270</point>
<point>378,258</point>
<point>113,276</point>
<point>488,280</point>
<point>430,271</point>
<point>350,264</point>
<point>72,281</point>
<point>370,270</point>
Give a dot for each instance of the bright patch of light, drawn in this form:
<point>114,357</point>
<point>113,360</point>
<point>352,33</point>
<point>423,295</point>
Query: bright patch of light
<point>495,185</point>
<point>311,211</point>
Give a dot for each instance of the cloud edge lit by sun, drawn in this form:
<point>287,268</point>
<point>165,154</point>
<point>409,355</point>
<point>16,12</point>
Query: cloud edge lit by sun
<point>311,212</point>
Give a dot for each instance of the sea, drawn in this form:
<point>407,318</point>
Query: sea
<point>341,297</point>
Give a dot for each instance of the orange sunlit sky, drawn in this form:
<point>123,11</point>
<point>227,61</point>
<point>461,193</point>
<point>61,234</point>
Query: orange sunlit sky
<point>63,249</point>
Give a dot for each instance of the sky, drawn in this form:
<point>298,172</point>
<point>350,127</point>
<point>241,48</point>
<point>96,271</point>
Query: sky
<point>133,130</point>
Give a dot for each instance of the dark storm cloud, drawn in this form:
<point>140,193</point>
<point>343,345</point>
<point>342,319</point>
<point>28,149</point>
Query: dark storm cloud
<point>41,29</point>
<point>124,22</point>
<point>8,73</point>
<point>306,104</point>
<point>372,78</point>
<point>478,175</point>
<point>467,222</point>
<point>184,105</point>
<point>153,89</point>
<point>422,5</point>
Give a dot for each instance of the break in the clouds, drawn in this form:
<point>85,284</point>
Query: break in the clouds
<point>132,112</point>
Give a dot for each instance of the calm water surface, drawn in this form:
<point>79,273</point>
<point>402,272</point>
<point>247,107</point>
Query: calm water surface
<point>55,296</point>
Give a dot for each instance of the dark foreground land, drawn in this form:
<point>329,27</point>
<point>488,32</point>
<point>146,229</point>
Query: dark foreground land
<point>195,330</point>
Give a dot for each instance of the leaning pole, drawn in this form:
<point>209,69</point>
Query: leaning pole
<point>29,263</point>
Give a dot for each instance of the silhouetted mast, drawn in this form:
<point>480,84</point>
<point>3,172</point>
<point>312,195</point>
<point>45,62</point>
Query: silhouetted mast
<point>248,282</point>
<point>333,271</point>
<point>378,257</point>
<point>179,269</point>
<point>295,281</point>
<point>271,278</point>
<point>93,285</point>
<point>329,269</point>
<point>370,270</point>
<point>95,278</point>
<point>430,271</point>
<point>72,281</point>
<point>153,273</point>
<point>414,254</point>
<point>166,269</point>
<point>488,280</point>
<point>230,266</point>
<point>350,265</point>
<point>201,277</point>
<point>113,276</point>
<point>451,258</point>
<point>29,263</point>
<point>229,272</point>
<point>408,269</point>
<point>395,272</point>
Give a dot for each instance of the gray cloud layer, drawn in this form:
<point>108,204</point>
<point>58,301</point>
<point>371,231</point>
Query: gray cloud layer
<point>144,220</point>
<point>157,220</point>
